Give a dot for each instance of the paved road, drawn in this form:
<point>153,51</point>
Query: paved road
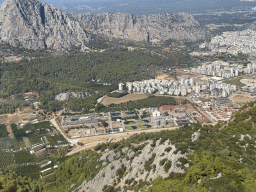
<point>202,112</point>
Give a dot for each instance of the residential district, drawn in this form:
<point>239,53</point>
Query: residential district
<point>233,42</point>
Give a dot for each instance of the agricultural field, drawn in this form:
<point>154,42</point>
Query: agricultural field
<point>8,143</point>
<point>20,159</point>
<point>35,132</point>
<point>54,138</point>
<point>23,156</point>
<point>130,97</point>
<point>6,159</point>
<point>31,171</point>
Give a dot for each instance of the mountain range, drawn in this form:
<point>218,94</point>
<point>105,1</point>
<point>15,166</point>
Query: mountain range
<point>35,25</point>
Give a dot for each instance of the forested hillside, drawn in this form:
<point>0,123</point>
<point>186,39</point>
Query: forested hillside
<point>77,71</point>
<point>191,158</point>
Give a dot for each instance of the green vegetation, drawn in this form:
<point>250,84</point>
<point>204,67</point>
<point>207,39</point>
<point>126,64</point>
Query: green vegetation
<point>143,127</point>
<point>131,123</point>
<point>151,101</point>
<point>6,108</point>
<point>3,131</point>
<point>162,162</point>
<point>30,171</point>
<point>56,139</point>
<point>244,121</point>
<point>73,170</point>
<point>6,159</point>
<point>23,162</point>
<point>148,163</point>
<point>49,75</point>
<point>235,81</point>
<point>121,171</point>
<point>128,128</point>
<point>168,149</point>
<point>219,160</point>
<point>11,181</point>
<point>167,166</point>
<point>23,156</point>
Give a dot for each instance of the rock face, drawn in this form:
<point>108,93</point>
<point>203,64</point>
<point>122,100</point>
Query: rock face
<point>149,28</point>
<point>67,96</point>
<point>134,164</point>
<point>35,25</point>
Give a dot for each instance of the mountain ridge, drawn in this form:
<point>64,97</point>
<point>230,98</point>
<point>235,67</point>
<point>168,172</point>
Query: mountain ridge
<point>35,25</point>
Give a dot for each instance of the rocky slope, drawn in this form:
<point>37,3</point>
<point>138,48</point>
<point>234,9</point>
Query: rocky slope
<point>35,25</point>
<point>133,165</point>
<point>69,95</point>
<point>150,28</point>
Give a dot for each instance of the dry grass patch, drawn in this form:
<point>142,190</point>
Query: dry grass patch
<point>190,108</point>
<point>130,97</point>
<point>239,99</point>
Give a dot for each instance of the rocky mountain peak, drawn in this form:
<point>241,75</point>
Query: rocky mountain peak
<point>35,25</point>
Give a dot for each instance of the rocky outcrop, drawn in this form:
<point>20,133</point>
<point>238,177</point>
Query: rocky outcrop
<point>134,165</point>
<point>149,28</point>
<point>35,25</point>
<point>69,95</point>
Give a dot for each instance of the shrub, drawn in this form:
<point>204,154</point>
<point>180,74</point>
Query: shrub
<point>168,149</point>
<point>148,163</point>
<point>167,166</point>
<point>162,162</point>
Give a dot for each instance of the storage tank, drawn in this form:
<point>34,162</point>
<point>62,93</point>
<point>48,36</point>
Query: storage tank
<point>162,122</point>
<point>156,122</point>
<point>88,131</point>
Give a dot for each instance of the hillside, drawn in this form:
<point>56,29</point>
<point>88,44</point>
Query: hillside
<point>195,157</point>
<point>35,25</point>
<point>191,158</point>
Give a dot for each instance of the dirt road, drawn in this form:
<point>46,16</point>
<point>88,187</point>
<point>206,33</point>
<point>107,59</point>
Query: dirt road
<point>55,124</point>
<point>91,142</point>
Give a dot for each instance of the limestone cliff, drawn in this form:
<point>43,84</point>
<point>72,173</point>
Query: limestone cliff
<point>150,28</point>
<point>134,165</point>
<point>32,24</point>
<point>35,25</point>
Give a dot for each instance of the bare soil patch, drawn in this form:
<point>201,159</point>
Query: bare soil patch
<point>27,142</point>
<point>130,97</point>
<point>239,99</point>
<point>190,108</point>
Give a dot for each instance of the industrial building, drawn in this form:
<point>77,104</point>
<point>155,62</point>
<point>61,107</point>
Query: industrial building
<point>221,101</point>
